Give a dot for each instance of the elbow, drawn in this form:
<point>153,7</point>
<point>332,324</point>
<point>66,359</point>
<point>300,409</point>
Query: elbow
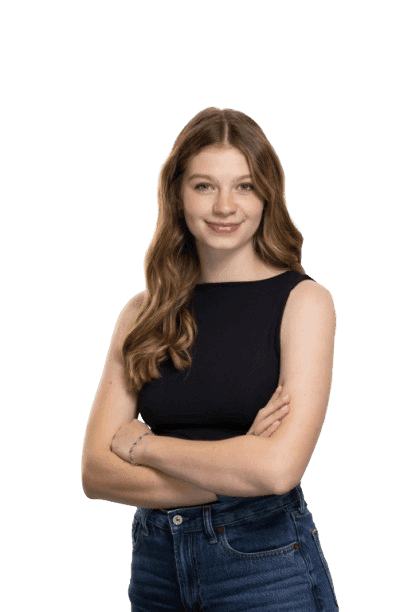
<point>88,485</point>
<point>284,487</point>
<point>91,477</point>
<point>285,483</point>
<point>88,489</point>
<point>281,487</point>
<point>89,493</point>
<point>280,482</point>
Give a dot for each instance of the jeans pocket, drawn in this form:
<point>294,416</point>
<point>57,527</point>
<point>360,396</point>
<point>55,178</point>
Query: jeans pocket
<point>266,535</point>
<point>316,539</point>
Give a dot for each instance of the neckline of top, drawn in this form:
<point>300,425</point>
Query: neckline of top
<point>250,282</point>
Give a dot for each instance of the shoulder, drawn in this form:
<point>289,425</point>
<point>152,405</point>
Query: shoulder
<point>309,304</point>
<point>307,290</point>
<point>132,307</point>
<point>128,314</point>
<point>137,300</point>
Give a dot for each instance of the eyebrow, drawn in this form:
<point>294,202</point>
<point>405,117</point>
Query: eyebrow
<point>238,178</point>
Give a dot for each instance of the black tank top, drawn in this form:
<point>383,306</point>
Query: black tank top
<point>236,362</point>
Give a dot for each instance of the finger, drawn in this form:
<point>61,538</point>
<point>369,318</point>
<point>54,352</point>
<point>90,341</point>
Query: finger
<point>269,431</point>
<point>275,417</point>
<point>282,401</point>
<point>272,407</point>
<point>270,411</point>
<point>284,406</point>
<point>272,429</point>
<point>285,401</point>
<point>273,421</point>
<point>276,423</point>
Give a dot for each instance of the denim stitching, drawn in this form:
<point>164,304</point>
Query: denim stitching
<point>305,558</point>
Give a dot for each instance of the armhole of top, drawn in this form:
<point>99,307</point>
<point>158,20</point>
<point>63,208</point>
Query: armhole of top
<point>282,309</point>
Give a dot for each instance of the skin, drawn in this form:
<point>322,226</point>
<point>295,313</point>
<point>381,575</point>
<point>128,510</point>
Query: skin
<point>223,199</point>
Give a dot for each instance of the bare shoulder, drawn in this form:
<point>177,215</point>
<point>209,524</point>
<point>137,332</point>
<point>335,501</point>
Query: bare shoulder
<point>308,293</point>
<point>137,299</point>
<point>309,304</point>
<point>125,320</point>
<point>133,305</point>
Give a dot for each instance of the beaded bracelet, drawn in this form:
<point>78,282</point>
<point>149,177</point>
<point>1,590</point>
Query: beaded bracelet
<point>148,433</point>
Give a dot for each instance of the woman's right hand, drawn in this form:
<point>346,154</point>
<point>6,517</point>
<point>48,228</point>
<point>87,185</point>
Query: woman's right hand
<point>270,416</point>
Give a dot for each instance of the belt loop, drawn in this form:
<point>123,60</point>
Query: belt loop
<point>144,513</point>
<point>208,526</point>
<point>301,498</point>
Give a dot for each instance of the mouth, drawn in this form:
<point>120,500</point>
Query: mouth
<point>224,224</point>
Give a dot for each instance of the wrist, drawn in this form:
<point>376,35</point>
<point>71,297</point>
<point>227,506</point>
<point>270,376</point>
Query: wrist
<point>136,451</point>
<point>148,442</point>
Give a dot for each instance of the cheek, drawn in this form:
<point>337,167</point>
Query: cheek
<point>194,212</point>
<point>254,213</point>
<point>193,222</point>
<point>256,216</point>
<point>190,216</point>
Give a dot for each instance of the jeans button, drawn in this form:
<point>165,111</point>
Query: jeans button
<point>177,519</point>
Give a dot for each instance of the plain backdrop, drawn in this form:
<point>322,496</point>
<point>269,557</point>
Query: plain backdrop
<point>93,95</point>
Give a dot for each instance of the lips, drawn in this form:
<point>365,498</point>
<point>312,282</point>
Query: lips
<point>224,224</point>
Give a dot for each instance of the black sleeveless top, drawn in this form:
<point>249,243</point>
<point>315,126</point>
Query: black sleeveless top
<point>236,362</point>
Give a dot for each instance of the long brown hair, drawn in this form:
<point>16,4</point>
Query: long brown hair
<point>164,325</point>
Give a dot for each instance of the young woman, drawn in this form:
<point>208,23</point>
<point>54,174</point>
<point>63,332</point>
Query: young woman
<point>227,355</point>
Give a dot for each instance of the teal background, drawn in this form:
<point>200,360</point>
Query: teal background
<point>93,94</point>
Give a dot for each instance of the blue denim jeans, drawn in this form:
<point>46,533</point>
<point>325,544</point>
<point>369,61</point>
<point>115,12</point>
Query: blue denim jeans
<point>238,554</point>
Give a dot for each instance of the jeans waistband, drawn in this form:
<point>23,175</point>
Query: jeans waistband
<point>208,516</point>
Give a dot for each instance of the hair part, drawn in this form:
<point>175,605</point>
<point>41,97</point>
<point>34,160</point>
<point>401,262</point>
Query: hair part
<point>165,327</point>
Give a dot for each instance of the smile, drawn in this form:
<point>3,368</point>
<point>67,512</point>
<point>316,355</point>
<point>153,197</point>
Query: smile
<point>226,229</point>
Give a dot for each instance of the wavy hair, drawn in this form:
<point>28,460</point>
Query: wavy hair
<point>164,326</point>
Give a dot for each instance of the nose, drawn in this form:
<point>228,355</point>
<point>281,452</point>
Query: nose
<point>224,203</point>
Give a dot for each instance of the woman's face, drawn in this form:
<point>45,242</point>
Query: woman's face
<point>226,194</point>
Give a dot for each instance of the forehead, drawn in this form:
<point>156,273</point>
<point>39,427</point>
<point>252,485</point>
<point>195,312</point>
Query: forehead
<point>218,162</point>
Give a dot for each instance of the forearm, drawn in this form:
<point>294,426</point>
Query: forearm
<point>237,466</point>
<point>115,480</point>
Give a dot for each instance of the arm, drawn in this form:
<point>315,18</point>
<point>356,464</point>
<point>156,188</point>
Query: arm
<point>235,466</point>
<point>104,474</point>
<point>115,480</point>
<point>307,350</point>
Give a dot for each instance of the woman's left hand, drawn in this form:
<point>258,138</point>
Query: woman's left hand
<point>125,437</point>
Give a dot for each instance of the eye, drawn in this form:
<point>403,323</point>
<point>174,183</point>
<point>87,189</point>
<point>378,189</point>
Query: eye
<point>200,185</point>
<point>251,187</point>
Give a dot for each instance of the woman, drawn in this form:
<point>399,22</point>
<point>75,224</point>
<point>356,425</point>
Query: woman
<point>229,331</point>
